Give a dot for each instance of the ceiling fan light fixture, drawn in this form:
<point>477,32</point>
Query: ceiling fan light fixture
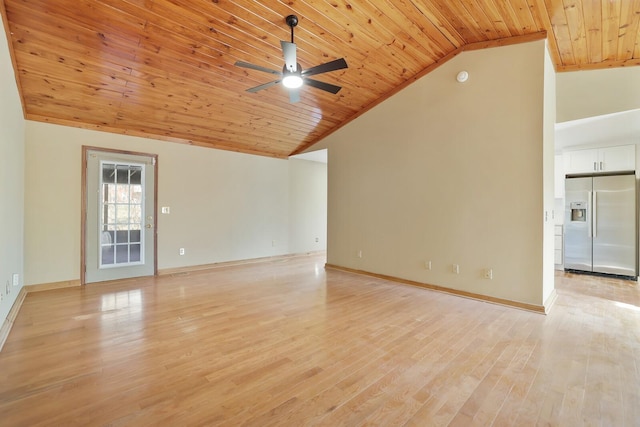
<point>292,81</point>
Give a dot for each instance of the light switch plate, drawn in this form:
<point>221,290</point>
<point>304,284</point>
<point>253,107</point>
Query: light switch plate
<point>166,210</point>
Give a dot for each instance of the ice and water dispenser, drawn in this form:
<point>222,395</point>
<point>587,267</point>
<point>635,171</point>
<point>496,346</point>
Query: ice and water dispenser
<point>578,211</point>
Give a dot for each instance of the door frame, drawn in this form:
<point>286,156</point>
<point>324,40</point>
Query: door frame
<point>83,215</point>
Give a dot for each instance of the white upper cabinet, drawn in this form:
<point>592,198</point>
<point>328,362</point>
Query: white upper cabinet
<point>622,158</point>
<point>580,161</point>
<point>609,159</point>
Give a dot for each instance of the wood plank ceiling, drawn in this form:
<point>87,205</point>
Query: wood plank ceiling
<point>165,68</point>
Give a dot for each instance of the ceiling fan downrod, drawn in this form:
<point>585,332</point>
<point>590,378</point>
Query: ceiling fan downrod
<point>292,21</point>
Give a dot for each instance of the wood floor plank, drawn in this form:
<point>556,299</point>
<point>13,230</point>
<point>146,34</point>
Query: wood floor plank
<point>289,343</point>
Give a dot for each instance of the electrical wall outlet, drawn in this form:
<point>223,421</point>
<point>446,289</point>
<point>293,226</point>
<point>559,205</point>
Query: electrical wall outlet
<point>166,210</point>
<point>427,265</point>
<point>181,251</point>
<point>360,253</point>
<point>455,268</point>
<point>16,279</point>
<point>488,273</point>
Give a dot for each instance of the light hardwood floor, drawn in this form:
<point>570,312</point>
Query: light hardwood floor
<point>287,343</point>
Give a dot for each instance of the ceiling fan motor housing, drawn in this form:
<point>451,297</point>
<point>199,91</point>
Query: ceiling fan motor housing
<point>291,20</point>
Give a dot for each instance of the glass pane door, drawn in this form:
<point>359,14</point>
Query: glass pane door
<point>120,206</point>
<point>121,214</point>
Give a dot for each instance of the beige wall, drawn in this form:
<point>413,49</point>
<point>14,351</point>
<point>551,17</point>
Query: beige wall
<point>224,206</point>
<point>593,93</point>
<point>548,124</point>
<point>11,182</point>
<point>308,218</point>
<point>451,173</point>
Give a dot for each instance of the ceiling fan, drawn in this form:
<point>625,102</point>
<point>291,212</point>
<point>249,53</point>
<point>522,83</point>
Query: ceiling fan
<point>292,75</point>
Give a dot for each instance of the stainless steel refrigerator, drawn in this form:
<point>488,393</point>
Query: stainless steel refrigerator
<point>600,225</point>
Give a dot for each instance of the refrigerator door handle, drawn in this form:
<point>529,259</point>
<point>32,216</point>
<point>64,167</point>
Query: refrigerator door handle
<point>590,215</point>
<point>595,214</point>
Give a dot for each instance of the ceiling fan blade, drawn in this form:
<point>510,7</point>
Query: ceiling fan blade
<point>263,86</point>
<point>322,85</point>
<point>338,64</point>
<point>289,52</point>
<point>294,95</point>
<point>256,67</point>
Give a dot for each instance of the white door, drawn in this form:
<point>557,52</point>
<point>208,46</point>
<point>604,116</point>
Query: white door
<point>119,224</point>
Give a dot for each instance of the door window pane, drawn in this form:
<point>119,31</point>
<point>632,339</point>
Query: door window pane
<point>108,173</point>
<point>135,175</point>
<point>122,193</point>
<point>136,194</point>
<point>135,253</point>
<point>122,174</point>
<point>109,193</point>
<point>107,255</point>
<point>122,213</point>
<point>122,254</point>
<point>122,236</point>
<point>135,214</point>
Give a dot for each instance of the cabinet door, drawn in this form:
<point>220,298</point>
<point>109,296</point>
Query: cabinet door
<point>615,159</point>
<point>581,161</point>
<point>557,257</point>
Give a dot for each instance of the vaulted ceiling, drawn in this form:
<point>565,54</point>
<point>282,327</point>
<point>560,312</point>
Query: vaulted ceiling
<point>165,68</point>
